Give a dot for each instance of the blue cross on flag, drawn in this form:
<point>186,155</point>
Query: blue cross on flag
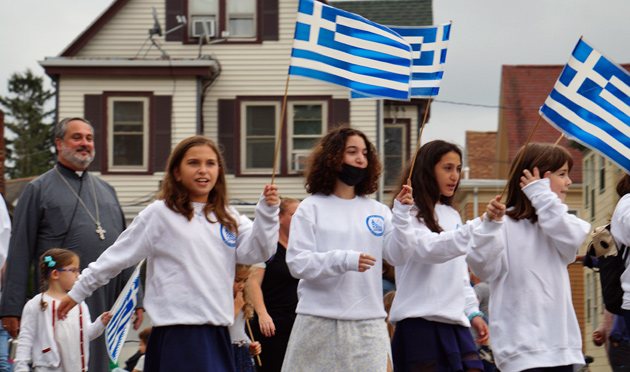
<point>343,48</point>
<point>590,104</point>
<point>428,48</point>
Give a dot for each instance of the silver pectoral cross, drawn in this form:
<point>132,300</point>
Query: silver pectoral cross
<point>100,231</point>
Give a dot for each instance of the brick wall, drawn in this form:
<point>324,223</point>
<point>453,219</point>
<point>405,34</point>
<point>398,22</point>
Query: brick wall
<point>481,152</point>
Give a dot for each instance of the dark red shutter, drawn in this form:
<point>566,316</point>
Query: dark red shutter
<point>93,112</point>
<point>340,113</point>
<point>227,133</point>
<point>173,9</point>
<point>269,19</point>
<point>162,118</point>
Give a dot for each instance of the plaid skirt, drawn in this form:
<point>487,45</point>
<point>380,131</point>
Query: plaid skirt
<point>324,344</point>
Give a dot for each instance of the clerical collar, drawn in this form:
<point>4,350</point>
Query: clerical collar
<point>68,170</point>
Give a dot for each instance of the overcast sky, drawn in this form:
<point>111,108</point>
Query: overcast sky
<point>486,34</point>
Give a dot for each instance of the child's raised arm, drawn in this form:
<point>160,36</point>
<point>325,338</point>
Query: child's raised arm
<point>271,195</point>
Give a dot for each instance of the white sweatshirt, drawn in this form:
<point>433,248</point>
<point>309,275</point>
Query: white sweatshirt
<point>190,264</point>
<point>620,229</point>
<point>532,319</point>
<point>434,284</point>
<point>328,234</point>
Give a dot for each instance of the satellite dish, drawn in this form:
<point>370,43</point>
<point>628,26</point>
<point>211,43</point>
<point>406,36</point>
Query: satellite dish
<point>157,29</point>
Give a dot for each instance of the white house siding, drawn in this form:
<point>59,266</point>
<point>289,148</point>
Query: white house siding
<point>247,70</point>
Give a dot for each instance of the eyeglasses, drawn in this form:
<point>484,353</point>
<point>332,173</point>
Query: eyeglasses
<point>74,271</point>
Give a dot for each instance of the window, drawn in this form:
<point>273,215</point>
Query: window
<point>307,125</point>
<point>222,18</point>
<point>591,182</point>
<point>589,299</point>
<point>396,150</point>
<point>259,125</point>
<point>127,133</point>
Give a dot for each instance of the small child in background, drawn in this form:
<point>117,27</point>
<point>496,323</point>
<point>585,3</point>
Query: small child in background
<point>244,348</point>
<point>44,341</point>
<point>144,338</point>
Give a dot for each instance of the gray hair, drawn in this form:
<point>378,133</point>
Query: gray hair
<point>62,127</point>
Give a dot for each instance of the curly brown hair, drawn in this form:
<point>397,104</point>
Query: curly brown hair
<point>326,161</point>
<point>176,197</point>
<point>544,156</point>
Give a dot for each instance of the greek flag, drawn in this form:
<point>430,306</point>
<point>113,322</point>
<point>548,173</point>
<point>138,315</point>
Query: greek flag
<point>123,309</point>
<point>348,50</point>
<point>428,48</point>
<point>590,104</point>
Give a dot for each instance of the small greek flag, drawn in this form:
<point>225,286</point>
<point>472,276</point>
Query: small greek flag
<point>428,48</point>
<point>348,50</point>
<point>590,104</point>
<point>123,309</point>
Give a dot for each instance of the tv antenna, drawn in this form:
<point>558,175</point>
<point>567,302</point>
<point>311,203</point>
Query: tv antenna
<point>157,30</point>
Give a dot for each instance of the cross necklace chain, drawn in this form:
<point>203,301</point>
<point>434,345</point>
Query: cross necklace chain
<point>99,230</point>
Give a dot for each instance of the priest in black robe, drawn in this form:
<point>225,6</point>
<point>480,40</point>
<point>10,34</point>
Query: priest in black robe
<point>66,207</point>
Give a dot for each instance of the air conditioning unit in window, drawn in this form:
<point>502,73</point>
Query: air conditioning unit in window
<point>198,27</point>
<point>299,162</point>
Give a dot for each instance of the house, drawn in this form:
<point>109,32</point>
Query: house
<point>146,80</point>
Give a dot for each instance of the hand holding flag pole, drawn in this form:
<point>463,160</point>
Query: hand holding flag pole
<point>251,335</point>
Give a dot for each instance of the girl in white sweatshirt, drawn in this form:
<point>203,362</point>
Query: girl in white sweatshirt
<point>435,303</point>
<point>192,240</point>
<point>532,320</point>
<point>620,230</point>
<point>45,342</point>
<point>338,240</point>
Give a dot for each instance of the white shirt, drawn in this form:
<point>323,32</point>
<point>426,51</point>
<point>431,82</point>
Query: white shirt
<point>190,264</point>
<point>327,236</point>
<point>434,284</point>
<point>532,319</point>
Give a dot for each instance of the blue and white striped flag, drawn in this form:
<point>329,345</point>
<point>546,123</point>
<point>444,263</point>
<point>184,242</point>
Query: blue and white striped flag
<point>590,104</point>
<point>348,50</point>
<point>123,309</point>
<point>428,48</point>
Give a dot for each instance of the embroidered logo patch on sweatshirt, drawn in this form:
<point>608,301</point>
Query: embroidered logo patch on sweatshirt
<point>376,225</point>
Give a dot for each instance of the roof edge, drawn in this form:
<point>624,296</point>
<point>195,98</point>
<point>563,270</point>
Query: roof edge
<point>78,43</point>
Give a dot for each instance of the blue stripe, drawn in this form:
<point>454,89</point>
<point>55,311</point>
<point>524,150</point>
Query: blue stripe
<point>424,92</point>
<point>355,85</point>
<point>592,91</point>
<point>330,14</point>
<point>447,32</point>
<point>306,7</point>
<point>443,56</point>
<point>585,138</point>
<point>589,117</point>
<point>426,75</point>
<point>608,69</point>
<point>618,93</point>
<point>327,39</point>
<point>369,36</point>
<point>429,34</point>
<point>345,65</point>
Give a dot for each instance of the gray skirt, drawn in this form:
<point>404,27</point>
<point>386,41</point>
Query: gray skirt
<point>324,344</point>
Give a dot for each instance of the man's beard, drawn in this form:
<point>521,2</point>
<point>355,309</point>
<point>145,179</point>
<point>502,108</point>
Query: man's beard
<point>70,156</point>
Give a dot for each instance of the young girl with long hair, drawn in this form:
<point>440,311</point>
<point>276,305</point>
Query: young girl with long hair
<point>339,238</point>
<point>435,303</point>
<point>532,320</point>
<point>49,344</point>
<point>192,241</point>
<point>620,230</point>
<point>243,347</point>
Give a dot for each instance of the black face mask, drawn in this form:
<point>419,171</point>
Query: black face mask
<point>350,175</point>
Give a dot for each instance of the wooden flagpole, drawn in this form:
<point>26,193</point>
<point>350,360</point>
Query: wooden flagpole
<point>559,138</point>
<point>251,335</point>
<point>520,157</point>
<point>284,106</point>
<point>413,162</point>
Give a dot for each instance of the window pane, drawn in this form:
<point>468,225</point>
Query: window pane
<point>304,143</point>
<point>261,120</point>
<point>202,6</point>
<point>241,27</point>
<point>260,153</point>
<point>128,150</point>
<point>393,165</point>
<point>242,6</point>
<point>393,140</point>
<point>307,119</point>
